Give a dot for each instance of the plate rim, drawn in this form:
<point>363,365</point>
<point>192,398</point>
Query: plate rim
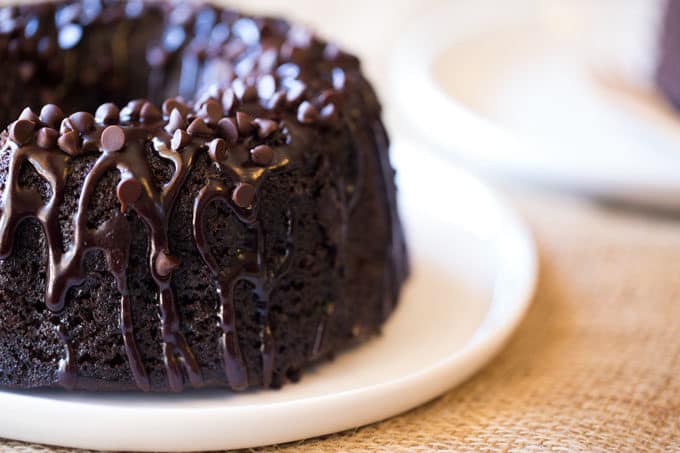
<point>442,375</point>
<point>488,146</point>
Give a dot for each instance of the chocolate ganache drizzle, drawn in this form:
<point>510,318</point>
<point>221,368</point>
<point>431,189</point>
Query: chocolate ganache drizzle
<point>263,93</point>
<point>121,147</point>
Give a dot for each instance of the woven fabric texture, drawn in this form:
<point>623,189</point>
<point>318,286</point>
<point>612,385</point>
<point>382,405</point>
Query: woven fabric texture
<point>594,366</point>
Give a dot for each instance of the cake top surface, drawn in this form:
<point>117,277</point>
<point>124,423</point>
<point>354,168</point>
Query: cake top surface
<point>195,52</point>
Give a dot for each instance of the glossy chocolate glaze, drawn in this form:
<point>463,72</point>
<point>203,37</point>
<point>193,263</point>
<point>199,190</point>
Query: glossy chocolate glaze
<point>263,94</point>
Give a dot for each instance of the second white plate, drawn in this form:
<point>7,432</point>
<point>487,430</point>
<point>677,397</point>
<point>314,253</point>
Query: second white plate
<point>545,91</point>
<point>474,270</point>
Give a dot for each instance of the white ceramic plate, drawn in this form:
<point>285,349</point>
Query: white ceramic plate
<point>474,270</point>
<point>545,91</point>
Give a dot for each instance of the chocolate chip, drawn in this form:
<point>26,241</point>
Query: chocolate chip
<point>8,24</point>
<point>243,195</point>
<point>307,113</point>
<point>277,101</point>
<point>265,127</point>
<point>107,113</point>
<point>175,122</point>
<point>267,60</point>
<point>246,30</point>
<point>173,103</point>
<point>331,52</point>
<point>301,36</point>
<point>156,56</point>
<point>246,65</point>
<point>132,109</point>
<point>288,70</point>
<point>8,12</point>
<point>66,126</point>
<point>173,38</point>
<point>180,139</point>
<point>262,155</point>
<point>244,91</point>
<point>329,113</point>
<point>113,138</point>
<point>213,92</point>
<point>28,115</point>
<point>165,264</point>
<point>91,11</point>
<point>296,91</point>
<point>199,128</point>
<point>51,115</point>
<point>21,131</point>
<point>134,8</point>
<point>83,121</point>
<point>339,78</point>
<point>266,86</point>
<point>129,190</point>
<point>217,149</point>
<point>69,142</point>
<point>67,14</point>
<point>31,27</point>
<point>219,34</point>
<point>210,112</point>
<point>69,36</point>
<point>227,129</point>
<point>47,138</point>
<point>328,96</point>
<point>228,101</point>
<point>244,123</point>
<point>149,113</point>
<point>204,21</point>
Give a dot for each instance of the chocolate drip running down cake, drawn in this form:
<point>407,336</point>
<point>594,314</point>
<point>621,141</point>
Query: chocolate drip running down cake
<point>189,198</point>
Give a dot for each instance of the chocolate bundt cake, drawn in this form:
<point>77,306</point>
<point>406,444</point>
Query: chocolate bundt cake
<point>189,197</point>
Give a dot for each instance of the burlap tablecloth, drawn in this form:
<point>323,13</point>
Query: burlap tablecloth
<point>594,366</point>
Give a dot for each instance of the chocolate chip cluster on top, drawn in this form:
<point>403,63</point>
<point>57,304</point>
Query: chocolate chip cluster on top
<point>231,224</point>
